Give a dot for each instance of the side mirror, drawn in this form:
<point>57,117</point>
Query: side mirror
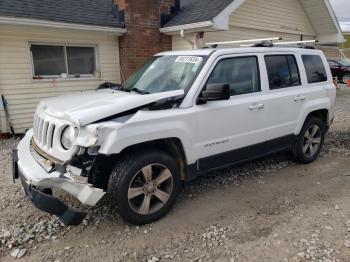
<point>215,92</point>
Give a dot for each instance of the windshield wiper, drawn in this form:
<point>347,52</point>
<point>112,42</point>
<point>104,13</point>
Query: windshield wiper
<point>136,90</point>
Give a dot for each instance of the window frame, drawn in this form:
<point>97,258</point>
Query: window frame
<point>233,57</point>
<point>69,76</point>
<point>298,69</point>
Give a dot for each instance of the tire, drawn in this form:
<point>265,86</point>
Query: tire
<point>346,78</point>
<point>310,141</point>
<point>140,202</point>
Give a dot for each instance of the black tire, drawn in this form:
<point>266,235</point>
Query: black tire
<point>299,147</point>
<point>127,171</point>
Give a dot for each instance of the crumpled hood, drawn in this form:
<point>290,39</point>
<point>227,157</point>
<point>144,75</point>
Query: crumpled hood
<point>87,107</point>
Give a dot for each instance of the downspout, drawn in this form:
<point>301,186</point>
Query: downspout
<point>4,128</point>
<point>183,36</point>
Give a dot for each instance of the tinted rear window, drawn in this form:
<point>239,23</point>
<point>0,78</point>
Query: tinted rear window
<point>282,71</point>
<point>315,69</point>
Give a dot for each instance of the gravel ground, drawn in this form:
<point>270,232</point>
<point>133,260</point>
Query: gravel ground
<point>267,210</point>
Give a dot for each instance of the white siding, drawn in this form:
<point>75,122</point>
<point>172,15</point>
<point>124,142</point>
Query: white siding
<point>236,33</point>
<point>239,33</point>
<point>261,19</point>
<point>286,16</point>
<point>319,15</point>
<point>331,52</point>
<point>16,83</point>
<point>180,44</point>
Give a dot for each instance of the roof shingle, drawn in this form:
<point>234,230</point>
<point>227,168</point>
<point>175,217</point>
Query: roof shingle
<point>194,11</point>
<point>88,12</point>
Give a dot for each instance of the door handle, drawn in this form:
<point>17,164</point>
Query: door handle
<point>256,106</point>
<point>299,98</point>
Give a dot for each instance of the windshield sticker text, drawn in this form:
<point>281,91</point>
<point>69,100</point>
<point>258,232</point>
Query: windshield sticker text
<point>189,59</point>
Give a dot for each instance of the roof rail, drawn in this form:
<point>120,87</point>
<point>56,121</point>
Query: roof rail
<point>264,42</point>
<point>216,44</point>
<point>300,44</point>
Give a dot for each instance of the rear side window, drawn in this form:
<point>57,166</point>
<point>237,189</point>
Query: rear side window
<point>241,73</point>
<point>315,70</point>
<point>282,71</point>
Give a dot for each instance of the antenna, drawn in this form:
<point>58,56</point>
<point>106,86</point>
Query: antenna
<point>243,41</point>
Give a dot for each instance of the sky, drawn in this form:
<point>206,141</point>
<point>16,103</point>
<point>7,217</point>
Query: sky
<point>342,10</point>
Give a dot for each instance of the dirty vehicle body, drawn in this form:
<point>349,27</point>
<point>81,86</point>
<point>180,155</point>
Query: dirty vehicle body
<point>185,113</point>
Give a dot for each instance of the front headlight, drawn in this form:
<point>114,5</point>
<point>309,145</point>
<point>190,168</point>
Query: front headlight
<point>69,134</point>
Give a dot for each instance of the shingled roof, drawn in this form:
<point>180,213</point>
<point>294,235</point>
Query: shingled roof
<point>87,12</point>
<point>194,11</point>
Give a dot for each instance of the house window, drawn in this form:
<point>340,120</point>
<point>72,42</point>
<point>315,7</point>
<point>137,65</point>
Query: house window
<point>63,61</point>
<point>282,71</point>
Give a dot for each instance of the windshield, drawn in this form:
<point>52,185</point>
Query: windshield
<point>344,63</point>
<point>165,73</point>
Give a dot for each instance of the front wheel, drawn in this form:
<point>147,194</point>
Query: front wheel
<point>144,186</point>
<point>310,141</point>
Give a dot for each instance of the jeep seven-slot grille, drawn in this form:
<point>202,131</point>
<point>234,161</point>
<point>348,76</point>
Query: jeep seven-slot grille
<point>43,132</point>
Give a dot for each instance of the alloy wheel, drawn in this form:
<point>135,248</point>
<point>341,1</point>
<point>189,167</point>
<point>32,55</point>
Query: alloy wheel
<point>150,189</point>
<point>312,141</point>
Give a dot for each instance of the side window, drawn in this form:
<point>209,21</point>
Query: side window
<point>315,70</point>
<point>282,71</point>
<point>241,73</point>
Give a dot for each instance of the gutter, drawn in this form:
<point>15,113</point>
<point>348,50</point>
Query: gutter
<point>61,25</point>
<point>177,28</point>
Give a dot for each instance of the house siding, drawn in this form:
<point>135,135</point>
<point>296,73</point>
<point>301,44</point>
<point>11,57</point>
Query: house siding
<point>285,16</point>
<point>318,13</point>
<point>331,52</point>
<point>22,92</point>
<point>261,19</point>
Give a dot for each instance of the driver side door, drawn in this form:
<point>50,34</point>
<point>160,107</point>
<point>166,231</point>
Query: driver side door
<point>229,131</point>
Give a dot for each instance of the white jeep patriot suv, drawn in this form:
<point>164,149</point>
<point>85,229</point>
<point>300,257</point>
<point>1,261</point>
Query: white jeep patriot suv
<point>184,113</point>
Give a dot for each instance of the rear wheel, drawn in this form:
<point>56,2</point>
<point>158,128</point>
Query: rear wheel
<point>310,141</point>
<point>144,186</point>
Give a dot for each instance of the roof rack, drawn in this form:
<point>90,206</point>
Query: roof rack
<point>264,42</point>
<point>252,41</point>
<point>300,44</point>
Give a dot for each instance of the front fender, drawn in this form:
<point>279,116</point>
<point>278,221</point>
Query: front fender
<point>115,140</point>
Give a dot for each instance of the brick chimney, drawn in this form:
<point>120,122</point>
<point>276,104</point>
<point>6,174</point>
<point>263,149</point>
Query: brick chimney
<point>143,19</point>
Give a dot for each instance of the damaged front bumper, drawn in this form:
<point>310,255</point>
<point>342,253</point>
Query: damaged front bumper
<point>35,178</point>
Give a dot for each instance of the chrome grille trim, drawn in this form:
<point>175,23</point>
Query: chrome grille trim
<point>43,132</point>
<point>50,132</point>
<point>47,131</point>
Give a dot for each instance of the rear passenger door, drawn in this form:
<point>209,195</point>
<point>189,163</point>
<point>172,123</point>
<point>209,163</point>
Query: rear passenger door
<point>284,96</point>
